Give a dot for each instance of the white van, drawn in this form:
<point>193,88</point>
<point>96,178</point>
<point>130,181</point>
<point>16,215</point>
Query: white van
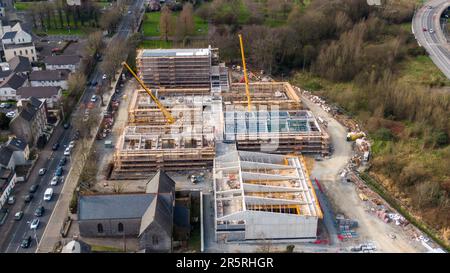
<point>48,194</point>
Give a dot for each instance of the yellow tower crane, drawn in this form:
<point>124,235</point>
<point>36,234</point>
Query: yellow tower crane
<point>247,89</point>
<point>167,115</point>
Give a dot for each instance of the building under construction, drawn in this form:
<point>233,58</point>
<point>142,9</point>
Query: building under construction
<point>262,196</point>
<point>149,143</point>
<point>182,68</point>
<point>276,124</point>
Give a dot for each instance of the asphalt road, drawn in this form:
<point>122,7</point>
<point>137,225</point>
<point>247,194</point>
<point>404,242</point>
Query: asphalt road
<point>435,43</point>
<point>13,232</point>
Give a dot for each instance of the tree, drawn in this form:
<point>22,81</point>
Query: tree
<point>59,5</point>
<point>110,19</point>
<point>165,23</point>
<point>4,121</point>
<point>94,43</point>
<point>185,22</point>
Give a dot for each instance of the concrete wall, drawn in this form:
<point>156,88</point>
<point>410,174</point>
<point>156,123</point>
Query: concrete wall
<point>89,228</point>
<point>7,93</point>
<point>261,225</point>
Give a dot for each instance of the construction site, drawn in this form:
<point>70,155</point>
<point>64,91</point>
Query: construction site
<point>262,196</point>
<point>189,116</point>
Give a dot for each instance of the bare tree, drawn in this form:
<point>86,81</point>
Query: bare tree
<point>165,23</point>
<point>94,43</point>
<point>185,22</point>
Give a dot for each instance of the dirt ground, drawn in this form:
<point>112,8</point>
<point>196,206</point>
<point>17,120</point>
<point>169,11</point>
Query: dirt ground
<point>345,199</point>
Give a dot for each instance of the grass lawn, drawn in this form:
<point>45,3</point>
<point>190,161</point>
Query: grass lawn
<point>151,24</point>
<point>156,44</point>
<point>98,248</point>
<point>21,6</point>
<point>80,30</point>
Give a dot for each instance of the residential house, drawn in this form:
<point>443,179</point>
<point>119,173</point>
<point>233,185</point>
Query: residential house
<point>14,153</point>
<point>147,216</point>
<point>70,62</point>
<point>51,94</point>
<point>4,27</point>
<point>10,84</point>
<point>20,65</point>
<point>4,74</point>
<point>31,121</point>
<point>18,42</point>
<point>50,78</point>
<point>7,182</point>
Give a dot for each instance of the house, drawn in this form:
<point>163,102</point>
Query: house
<point>146,216</point>
<point>51,94</point>
<point>7,182</point>
<point>18,42</point>
<point>31,121</point>
<point>20,65</point>
<point>9,86</point>
<point>4,27</point>
<point>14,153</point>
<point>4,74</point>
<point>70,62</point>
<point>50,78</point>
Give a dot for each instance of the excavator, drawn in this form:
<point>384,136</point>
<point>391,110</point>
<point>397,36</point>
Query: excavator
<point>169,118</point>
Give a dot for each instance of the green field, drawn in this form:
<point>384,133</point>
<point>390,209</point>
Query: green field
<point>21,6</point>
<point>156,44</point>
<point>151,24</point>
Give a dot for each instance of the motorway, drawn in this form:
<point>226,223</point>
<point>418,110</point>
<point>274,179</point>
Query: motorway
<point>12,232</point>
<point>435,43</point>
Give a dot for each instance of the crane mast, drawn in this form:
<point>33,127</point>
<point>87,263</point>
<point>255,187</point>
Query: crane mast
<point>247,89</point>
<point>167,115</point>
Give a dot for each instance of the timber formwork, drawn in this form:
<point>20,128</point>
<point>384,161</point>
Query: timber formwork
<point>175,68</point>
<point>143,149</point>
<point>271,94</point>
<point>142,110</point>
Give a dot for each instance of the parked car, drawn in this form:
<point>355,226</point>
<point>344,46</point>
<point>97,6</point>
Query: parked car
<point>18,215</point>
<point>54,181</point>
<point>104,77</point>
<point>94,83</point>
<point>431,31</point>
<point>94,98</point>
<point>34,224</point>
<point>26,242</point>
<point>11,200</point>
<point>55,146</point>
<point>424,29</point>
<point>67,151</point>
<point>59,171</point>
<point>33,188</point>
<point>42,171</point>
<point>11,114</point>
<point>66,125</point>
<point>5,105</point>
<point>39,211</point>
<point>72,144</point>
<point>63,161</point>
<point>28,198</point>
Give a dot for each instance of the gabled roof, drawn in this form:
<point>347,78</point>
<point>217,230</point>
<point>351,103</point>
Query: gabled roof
<point>14,81</point>
<point>160,183</point>
<point>160,212</point>
<point>29,111</point>
<point>9,35</point>
<point>62,59</point>
<point>20,64</point>
<point>113,206</point>
<point>6,73</point>
<point>50,75</point>
<point>38,91</point>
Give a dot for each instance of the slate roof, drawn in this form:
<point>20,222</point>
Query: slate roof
<point>114,206</point>
<point>17,144</point>
<point>9,35</point>
<point>50,75</point>
<point>181,216</point>
<point>160,183</point>
<point>5,155</point>
<point>30,111</point>
<point>14,81</point>
<point>62,59</point>
<point>6,73</point>
<point>38,91</point>
<point>20,64</point>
